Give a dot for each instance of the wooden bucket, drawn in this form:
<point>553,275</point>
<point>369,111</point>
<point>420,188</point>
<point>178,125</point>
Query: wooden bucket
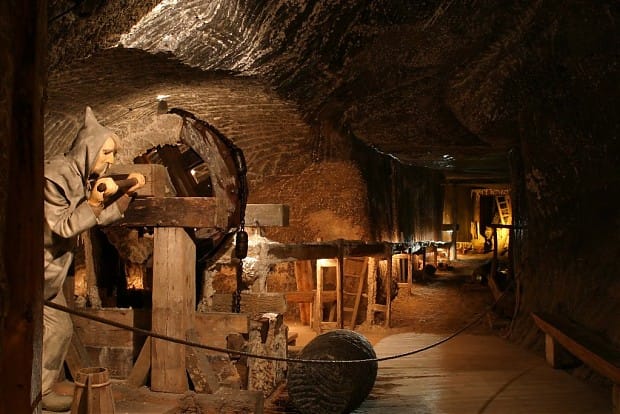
<point>93,393</point>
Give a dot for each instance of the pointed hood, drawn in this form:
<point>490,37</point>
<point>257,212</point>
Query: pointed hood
<point>88,143</point>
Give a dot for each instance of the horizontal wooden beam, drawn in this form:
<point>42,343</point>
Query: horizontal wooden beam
<point>590,348</point>
<point>299,297</point>
<point>194,212</point>
<point>312,251</point>
<point>259,215</point>
<point>328,250</point>
<point>357,249</point>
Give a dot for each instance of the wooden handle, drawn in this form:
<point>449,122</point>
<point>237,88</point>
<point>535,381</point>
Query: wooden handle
<point>123,185</point>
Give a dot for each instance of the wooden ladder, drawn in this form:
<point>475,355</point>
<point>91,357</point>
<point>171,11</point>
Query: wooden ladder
<point>355,275</point>
<point>504,209</point>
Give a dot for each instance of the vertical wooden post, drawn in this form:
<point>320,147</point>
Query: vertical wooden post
<point>23,33</point>
<point>305,283</point>
<point>372,290</point>
<point>556,355</point>
<point>388,292</point>
<point>410,260</point>
<point>318,299</point>
<point>494,261</point>
<point>339,291</point>
<point>174,279</point>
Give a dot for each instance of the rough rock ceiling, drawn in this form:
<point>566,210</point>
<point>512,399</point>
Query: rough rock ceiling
<point>381,71</point>
<point>431,83</point>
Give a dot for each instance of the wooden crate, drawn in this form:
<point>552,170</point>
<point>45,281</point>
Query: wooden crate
<point>111,347</point>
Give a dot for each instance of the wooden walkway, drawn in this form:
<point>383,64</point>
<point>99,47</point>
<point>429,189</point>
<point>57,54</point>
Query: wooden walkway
<point>470,374</point>
<point>475,374</point>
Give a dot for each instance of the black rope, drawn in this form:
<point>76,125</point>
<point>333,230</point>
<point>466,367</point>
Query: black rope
<point>267,357</point>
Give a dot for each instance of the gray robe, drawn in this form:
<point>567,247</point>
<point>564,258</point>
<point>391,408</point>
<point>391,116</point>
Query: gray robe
<point>66,210</point>
<point>67,214</point>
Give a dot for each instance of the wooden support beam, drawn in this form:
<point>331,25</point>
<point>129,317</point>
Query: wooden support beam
<point>310,251</point>
<point>302,297</point>
<point>326,250</point>
<point>199,368</point>
<point>339,292</point>
<point>388,294</point>
<point>358,249</point>
<point>266,215</point>
<point>174,278</point>
<point>557,356</point>
<point>371,289</point>
<point>193,212</point>
<point>140,372</point>
<point>196,212</point>
<point>305,286</point>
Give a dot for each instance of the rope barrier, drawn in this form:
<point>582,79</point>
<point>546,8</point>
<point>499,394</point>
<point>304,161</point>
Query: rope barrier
<point>268,357</point>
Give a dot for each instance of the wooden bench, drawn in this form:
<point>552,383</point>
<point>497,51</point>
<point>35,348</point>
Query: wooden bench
<point>562,336</point>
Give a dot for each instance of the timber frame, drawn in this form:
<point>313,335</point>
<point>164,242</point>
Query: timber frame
<point>334,254</point>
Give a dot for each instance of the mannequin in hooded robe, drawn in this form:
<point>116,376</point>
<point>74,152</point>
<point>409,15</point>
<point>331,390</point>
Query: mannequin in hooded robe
<point>73,204</point>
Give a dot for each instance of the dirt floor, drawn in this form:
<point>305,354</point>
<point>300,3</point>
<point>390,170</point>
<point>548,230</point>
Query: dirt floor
<point>444,302</point>
<point>441,304</point>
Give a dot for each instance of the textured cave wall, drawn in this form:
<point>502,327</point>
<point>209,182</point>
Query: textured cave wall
<point>79,29</point>
<point>406,202</point>
<point>568,126</point>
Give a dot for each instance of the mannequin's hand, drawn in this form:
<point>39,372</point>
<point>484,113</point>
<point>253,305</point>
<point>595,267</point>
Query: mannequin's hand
<point>139,178</point>
<point>96,197</point>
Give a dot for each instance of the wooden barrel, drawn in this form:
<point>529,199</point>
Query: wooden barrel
<point>332,388</point>
<point>93,393</point>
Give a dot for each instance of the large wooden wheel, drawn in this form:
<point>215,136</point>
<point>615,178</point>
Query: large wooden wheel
<point>332,388</point>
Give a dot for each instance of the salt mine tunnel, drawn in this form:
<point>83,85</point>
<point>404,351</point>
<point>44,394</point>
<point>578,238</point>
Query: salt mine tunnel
<point>391,172</point>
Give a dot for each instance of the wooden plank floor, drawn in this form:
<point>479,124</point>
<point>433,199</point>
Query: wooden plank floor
<point>470,374</point>
<point>475,374</point>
